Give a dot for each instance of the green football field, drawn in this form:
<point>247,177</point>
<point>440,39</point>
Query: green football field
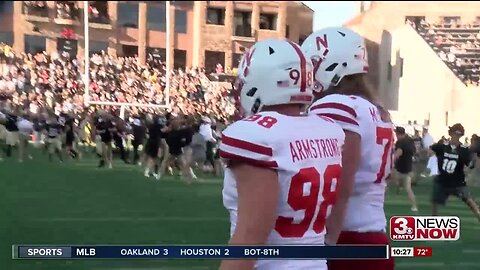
<point>75,203</point>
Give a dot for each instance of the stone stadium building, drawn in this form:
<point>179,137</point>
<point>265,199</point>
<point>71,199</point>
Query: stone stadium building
<point>203,33</point>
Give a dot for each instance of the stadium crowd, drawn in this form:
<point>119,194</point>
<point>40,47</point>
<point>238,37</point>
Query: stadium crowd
<point>54,81</point>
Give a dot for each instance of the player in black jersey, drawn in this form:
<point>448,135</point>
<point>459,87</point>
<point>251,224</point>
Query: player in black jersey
<point>70,131</point>
<point>54,131</point>
<point>178,136</point>
<point>404,152</point>
<point>156,148</point>
<point>11,139</point>
<point>62,120</point>
<point>138,130</point>
<point>118,135</point>
<point>104,129</point>
<point>452,160</point>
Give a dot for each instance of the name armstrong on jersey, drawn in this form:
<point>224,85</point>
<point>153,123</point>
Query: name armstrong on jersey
<point>314,148</point>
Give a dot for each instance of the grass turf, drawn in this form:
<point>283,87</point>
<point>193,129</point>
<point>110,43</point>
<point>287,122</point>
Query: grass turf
<point>75,203</point>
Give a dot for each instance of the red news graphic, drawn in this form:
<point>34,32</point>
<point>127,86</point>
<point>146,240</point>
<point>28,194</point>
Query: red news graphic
<point>422,252</point>
<point>424,228</point>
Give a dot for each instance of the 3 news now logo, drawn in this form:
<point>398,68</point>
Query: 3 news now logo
<point>424,228</point>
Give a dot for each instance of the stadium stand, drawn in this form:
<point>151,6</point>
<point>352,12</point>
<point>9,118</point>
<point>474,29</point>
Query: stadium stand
<point>458,45</point>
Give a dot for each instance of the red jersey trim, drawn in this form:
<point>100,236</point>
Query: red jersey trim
<point>334,105</point>
<point>247,146</point>
<point>251,161</point>
<point>340,118</point>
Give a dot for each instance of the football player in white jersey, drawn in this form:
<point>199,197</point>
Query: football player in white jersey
<point>282,164</point>
<point>340,65</point>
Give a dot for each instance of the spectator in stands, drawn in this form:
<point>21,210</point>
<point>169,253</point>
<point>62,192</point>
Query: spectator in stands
<point>442,55</point>
<point>219,69</point>
<point>458,62</point>
<point>451,57</point>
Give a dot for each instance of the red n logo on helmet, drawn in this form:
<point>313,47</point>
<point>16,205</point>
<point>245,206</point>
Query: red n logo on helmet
<point>322,42</point>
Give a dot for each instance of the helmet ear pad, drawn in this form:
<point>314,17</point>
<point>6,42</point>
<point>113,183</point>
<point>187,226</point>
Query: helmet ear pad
<point>256,105</point>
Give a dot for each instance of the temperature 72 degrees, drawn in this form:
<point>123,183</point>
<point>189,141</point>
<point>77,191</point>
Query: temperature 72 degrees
<point>422,251</point>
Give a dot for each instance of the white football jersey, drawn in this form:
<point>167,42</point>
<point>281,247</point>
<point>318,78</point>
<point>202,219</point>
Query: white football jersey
<point>365,210</point>
<point>306,152</point>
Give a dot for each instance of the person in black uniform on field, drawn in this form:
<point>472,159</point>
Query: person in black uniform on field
<point>155,146</point>
<point>188,131</point>
<point>12,132</point>
<point>104,128</point>
<point>54,132</point>
<point>178,136</point>
<point>452,160</point>
<point>404,151</point>
<point>118,134</point>
<point>42,126</point>
<point>70,136</point>
<point>62,120</point>
<point>139,132</point>
<point>39,125</point>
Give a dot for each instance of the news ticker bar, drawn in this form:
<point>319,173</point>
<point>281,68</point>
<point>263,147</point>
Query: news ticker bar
<point>216,252</point>
<point>200,252</point>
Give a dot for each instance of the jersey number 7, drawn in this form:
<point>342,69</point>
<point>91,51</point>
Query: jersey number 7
<point>382,135</point>
<point>301,199</point>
